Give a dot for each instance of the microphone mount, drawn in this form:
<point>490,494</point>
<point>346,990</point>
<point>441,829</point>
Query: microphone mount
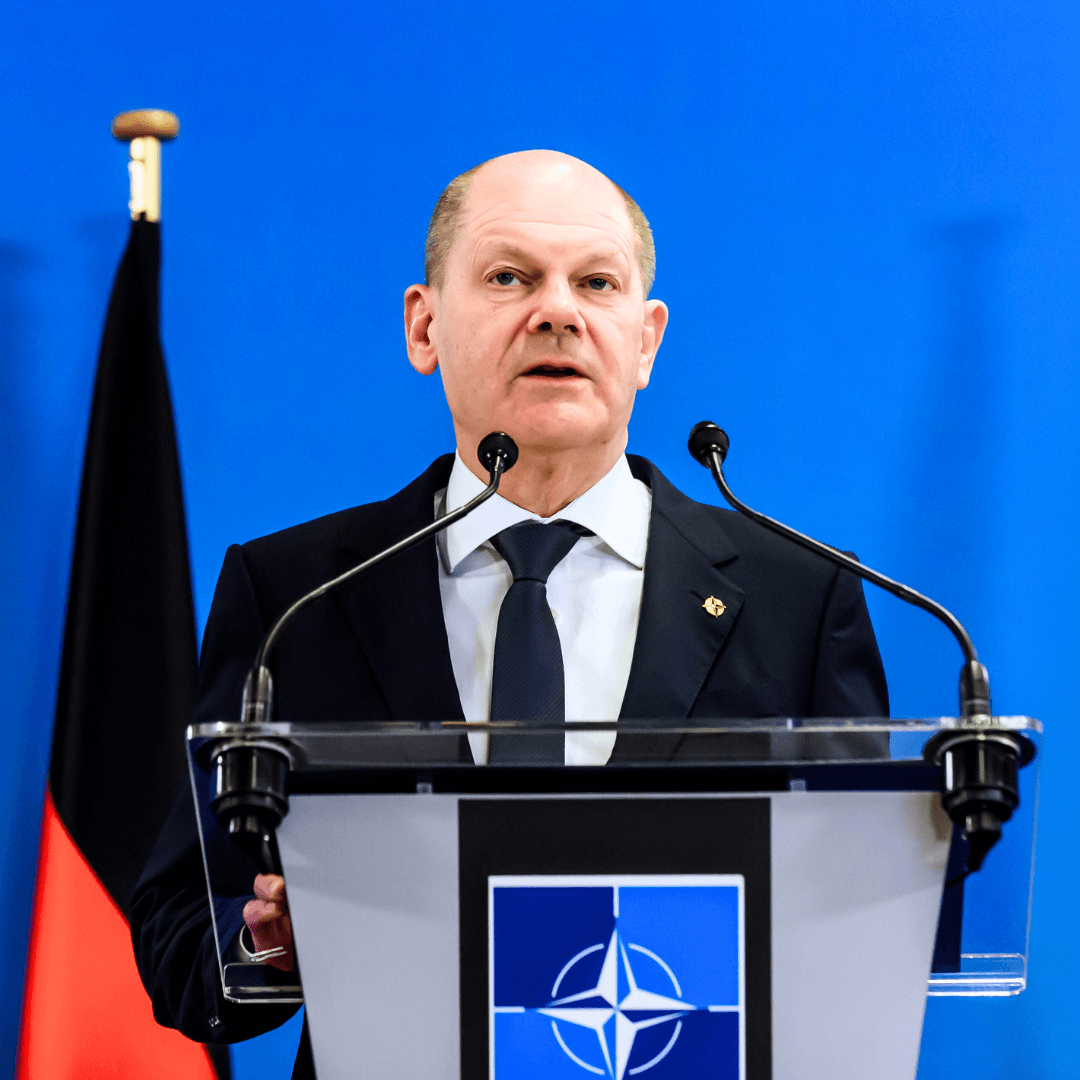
<point>249,799</point>
<point>979,759</point>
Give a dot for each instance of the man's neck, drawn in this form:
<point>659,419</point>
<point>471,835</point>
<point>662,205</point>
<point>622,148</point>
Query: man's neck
<point>545,482</point>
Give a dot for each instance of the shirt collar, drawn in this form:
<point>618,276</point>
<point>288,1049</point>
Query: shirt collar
<point>616,508</point>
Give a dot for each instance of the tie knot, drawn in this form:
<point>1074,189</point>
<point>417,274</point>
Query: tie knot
<point>532,550</point>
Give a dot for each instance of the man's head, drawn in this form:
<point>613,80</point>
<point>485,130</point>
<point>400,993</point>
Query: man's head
<point>536,310</point>
<point>447,215</point>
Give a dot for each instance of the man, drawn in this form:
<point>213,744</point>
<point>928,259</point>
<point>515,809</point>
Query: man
<point>620,596</point>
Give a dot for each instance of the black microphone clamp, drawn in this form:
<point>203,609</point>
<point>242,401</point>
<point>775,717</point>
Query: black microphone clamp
<point>979,759</point>
<point>249,776</point>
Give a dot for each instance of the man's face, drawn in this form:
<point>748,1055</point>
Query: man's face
<point>541,328</point>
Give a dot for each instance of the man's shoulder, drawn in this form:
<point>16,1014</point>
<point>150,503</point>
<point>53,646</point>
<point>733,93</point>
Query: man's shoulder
<point>359,531</point>
<point>723,535</point>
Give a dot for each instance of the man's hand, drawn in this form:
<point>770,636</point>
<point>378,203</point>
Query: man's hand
<point>267,918</point>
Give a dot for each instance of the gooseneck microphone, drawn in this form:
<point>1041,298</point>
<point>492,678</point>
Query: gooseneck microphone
<point>709,445</point>
<point>979,760</point>
<point>249,777</point>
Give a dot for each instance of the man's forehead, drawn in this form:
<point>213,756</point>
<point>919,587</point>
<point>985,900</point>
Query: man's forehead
<point>545,191</point>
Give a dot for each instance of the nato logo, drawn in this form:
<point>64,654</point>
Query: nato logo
<point>616,975</point>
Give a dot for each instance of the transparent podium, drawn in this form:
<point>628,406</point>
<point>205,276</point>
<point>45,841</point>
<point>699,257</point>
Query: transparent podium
<point>748,899</point>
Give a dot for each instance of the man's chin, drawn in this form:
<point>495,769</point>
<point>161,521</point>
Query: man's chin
<point>559,430</point>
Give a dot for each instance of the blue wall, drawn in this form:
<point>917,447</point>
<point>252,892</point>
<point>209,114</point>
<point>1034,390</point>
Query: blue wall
<point>868,223</point>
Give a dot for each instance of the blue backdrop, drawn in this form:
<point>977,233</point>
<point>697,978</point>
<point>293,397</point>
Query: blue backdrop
<point>868,227</point>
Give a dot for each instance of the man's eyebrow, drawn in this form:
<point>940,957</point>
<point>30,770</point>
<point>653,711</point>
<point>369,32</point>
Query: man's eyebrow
<point>498,250</point>
<point>606,253</point>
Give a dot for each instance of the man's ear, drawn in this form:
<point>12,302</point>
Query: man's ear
<point>419,313</point>
<point>652,333</point>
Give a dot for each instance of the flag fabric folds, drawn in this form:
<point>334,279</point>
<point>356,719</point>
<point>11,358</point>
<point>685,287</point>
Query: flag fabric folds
<point>126,684</point>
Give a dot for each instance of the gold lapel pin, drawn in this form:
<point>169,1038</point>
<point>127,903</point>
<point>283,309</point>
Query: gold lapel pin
<point>714,607</point>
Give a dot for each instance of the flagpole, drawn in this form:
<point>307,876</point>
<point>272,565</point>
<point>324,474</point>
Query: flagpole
<point>145,130</point>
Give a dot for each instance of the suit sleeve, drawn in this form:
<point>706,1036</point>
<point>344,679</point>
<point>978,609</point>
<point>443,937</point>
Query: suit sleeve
<point>171,927</point>
<point>848,677</point>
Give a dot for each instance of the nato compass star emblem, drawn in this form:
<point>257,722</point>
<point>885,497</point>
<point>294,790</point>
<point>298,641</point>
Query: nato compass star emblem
<point>617,975</point>
<point>617,995</point>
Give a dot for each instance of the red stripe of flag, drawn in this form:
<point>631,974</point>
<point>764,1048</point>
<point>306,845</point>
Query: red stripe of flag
<point>85,1012</point>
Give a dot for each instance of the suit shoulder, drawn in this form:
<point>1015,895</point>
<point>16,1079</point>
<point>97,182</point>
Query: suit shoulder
<point>752,539</point>
<point>723,534</point>
<point>316,547</point>
<point>319,532</point>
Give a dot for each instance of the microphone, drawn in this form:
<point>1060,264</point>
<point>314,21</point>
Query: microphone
<point>249,799</point>
<point>980,760</point>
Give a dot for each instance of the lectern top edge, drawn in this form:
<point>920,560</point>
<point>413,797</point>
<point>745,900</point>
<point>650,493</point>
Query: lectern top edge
<point>450,728</point>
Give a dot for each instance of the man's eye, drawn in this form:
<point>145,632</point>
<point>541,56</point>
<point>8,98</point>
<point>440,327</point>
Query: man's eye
<point>599,284</point>
<point>506,278</point>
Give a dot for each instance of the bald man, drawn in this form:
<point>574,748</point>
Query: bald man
<point>536,311</point>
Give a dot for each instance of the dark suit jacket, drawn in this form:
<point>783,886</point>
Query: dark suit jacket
<point>794,640</point>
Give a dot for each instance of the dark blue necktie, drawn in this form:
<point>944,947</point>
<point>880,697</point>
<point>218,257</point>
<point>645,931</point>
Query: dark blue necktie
<point>527,679</point>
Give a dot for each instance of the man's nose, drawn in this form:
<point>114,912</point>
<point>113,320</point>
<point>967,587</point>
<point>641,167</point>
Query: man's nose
<point>556,310</point>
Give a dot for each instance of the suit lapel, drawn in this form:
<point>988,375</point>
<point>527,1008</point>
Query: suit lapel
<point>395,611</point>
<point>678,639</point>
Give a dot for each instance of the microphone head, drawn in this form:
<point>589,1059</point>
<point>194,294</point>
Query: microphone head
<point>497,444</point>
<point>704,439</point>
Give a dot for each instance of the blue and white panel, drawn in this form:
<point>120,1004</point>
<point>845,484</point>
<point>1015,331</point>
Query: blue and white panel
<point>616,976</point>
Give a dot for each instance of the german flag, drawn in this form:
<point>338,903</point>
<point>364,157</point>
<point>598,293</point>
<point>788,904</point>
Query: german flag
<point>126,684</point>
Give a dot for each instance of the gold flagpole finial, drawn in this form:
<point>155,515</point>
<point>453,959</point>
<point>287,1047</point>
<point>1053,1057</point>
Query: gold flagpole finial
<point>145,130</point>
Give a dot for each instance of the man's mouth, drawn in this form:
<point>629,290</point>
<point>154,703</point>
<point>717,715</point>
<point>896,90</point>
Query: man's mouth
<point>553,371</point>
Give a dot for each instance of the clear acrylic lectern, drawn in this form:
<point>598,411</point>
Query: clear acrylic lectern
<point>756,899</point>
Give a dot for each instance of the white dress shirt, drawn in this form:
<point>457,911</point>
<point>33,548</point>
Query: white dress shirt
<point>594,594</point>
